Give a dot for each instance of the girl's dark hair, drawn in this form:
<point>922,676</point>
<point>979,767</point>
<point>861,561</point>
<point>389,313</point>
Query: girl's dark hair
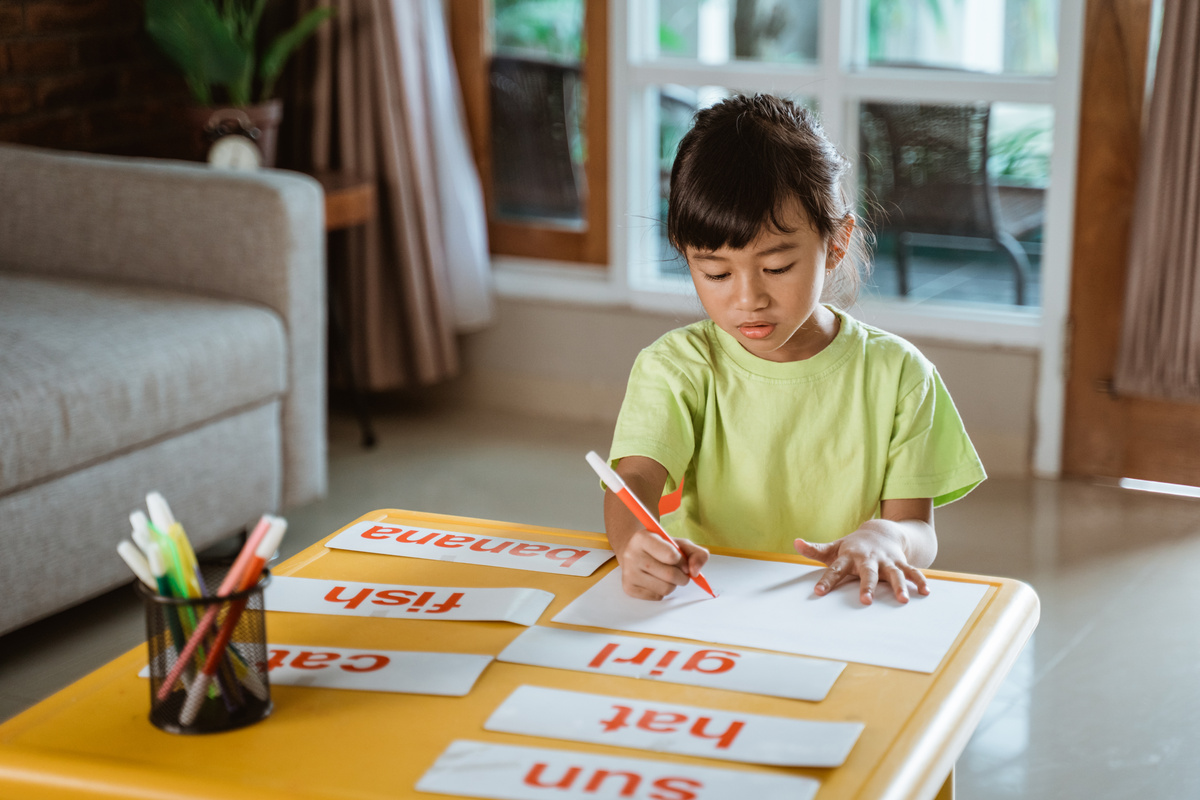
<point>741,164</point>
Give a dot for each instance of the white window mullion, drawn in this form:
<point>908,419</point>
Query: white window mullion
<point>887,84</point>
<point>637,31</point>
<point>636,95</point>
<point>621,56</point>
<point>881,84</point>
<point>691,73</point>
<point>832,60</point>
<point>1059,228</point>
<point>639,214</point>
<point>843,106</point>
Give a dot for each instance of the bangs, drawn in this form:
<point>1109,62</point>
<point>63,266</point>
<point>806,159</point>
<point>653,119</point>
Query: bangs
<point>736,174</point>
<point>727,202</point>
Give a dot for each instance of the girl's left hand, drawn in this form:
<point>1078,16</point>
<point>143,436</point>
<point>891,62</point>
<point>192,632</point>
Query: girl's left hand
<point>872,553</point>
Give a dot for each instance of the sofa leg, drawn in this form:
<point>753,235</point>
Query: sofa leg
<point>339,344</point>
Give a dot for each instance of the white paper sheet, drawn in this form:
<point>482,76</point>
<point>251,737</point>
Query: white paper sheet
<point>469,548</point>
<point>770,605</point>
<point>504,772</point>
<point>675,662</point>
<point>673,728</point>
<point>350,598</point>
<point>407,672</point>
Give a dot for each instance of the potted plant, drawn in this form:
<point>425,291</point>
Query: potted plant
<point>216,45</point>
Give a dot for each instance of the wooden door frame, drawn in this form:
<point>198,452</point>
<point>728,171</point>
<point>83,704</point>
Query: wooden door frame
<point>1105,434</point>
<point>470,40</point>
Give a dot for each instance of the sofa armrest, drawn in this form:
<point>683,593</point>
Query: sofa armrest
<point>257,237</point>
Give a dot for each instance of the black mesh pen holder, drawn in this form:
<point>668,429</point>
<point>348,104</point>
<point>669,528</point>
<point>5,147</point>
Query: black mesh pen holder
<point>208,657</point>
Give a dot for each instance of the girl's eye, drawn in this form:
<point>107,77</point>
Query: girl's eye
<point>779,271</point>
<point>720,277</point>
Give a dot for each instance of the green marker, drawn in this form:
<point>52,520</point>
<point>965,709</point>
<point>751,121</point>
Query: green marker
<point>158,569</point>
<point>172,566</point>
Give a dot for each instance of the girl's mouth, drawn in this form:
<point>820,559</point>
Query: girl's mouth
<point>757,330</point>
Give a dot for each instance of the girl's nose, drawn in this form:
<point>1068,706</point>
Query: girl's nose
<point>751,295</point>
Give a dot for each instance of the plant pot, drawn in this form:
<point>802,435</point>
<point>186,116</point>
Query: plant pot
<point>204,124</point>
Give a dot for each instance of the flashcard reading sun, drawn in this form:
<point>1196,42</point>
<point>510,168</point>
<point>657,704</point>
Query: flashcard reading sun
<point>350,598</point>
<point>772,674</point>
<point>479,769</point>
<point>469,548</point>
<point>672,728</point>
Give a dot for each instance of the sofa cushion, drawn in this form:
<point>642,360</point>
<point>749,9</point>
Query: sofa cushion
<point>91,369</point>
<point>236,460</point>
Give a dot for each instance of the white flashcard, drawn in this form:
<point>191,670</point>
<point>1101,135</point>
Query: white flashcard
<point>469,548</point>
<point>672,728</point>
<point>350,598</point>
<point>403,671</point>
<point>770,605</point>
<point>479,769</point>
<point>793,677</point>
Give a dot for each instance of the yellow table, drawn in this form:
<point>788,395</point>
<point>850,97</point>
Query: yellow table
<point>93,738</point>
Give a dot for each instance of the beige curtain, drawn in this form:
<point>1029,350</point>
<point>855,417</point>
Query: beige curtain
<point>380,99</point>
<point>1160,337</point>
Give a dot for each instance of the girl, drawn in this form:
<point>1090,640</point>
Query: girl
<point>789,424</point>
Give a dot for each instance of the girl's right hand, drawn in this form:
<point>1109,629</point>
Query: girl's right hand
<point>651,568</point>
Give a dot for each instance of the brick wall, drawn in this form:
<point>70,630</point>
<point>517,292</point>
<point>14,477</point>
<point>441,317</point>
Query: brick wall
<point>82,75</point>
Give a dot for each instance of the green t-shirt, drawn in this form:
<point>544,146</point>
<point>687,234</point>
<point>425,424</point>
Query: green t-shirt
<point>770,451</point>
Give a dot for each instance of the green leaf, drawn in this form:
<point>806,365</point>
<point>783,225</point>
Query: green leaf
<point>194,36</point>
<point>201,92</point>
<point>277,54</point>
<point>670,40</point>
<point>256,16</point>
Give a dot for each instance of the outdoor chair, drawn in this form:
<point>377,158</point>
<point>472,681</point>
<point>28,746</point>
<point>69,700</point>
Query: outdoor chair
<point>533,172</point>
<point>926,175</point>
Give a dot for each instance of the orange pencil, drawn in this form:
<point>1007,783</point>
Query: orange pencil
<point>613,481</point>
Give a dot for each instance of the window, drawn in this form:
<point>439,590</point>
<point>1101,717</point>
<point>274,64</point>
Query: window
<point>950,110</point>
<point>534,77</point>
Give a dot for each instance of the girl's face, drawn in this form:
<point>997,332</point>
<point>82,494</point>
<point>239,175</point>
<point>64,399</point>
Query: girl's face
<point>767,295</point>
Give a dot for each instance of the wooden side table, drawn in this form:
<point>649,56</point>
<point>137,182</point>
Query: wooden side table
<point>350,201</point>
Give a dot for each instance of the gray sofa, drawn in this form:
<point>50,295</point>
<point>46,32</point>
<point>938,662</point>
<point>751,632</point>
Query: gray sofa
<point>161,328</point>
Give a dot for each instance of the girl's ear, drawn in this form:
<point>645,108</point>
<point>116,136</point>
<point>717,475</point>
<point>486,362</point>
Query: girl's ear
<point>839,243</point>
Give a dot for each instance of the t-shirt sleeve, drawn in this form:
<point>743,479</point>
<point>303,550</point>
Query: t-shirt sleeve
<point>930,454</point>
<point>657,416</point>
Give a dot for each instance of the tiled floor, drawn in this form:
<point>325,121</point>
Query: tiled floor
<point>1104,702</point>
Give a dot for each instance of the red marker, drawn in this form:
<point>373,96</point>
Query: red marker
<point>613,481</point>
<point>251,571</point>
<point>229,585</point>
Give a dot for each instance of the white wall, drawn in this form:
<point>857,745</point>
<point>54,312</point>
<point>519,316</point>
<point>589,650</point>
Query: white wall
<point>571,361</point>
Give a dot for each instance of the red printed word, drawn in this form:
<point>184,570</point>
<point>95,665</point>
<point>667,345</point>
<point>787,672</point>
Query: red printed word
<point>710,662</point>
<point>394,597</point>
<point>566,556</point>
<point>671,722</point>
<point>309,659</point>
<point>668,788</point>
